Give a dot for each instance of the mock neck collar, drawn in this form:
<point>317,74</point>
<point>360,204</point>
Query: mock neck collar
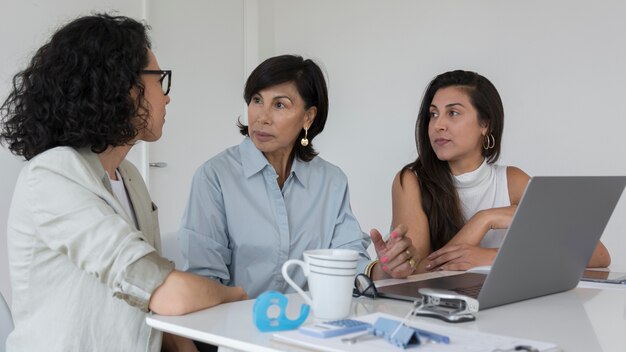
<point>473,178</point>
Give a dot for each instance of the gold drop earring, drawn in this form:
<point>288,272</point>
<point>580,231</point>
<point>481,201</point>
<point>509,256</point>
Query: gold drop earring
<point>305,141</point>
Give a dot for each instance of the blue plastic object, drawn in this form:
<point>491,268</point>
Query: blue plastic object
<point>266,323</point>
<point>404,336</point>
<point>335,328</point>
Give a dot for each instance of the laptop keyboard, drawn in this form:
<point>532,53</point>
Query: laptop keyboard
<point>471,291</point>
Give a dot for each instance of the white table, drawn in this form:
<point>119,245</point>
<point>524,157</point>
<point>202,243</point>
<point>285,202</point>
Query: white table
<point>592,317</point>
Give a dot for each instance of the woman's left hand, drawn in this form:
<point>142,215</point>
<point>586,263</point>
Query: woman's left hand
<point>396,254</point>
<point>460,257</point>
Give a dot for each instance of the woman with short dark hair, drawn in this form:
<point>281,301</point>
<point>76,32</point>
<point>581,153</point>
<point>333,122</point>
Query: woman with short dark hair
<point>267,200</point>
<point>83,234</point>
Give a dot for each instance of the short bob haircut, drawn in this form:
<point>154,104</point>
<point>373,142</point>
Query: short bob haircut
<point>76,90</point>
<point>311,85</point>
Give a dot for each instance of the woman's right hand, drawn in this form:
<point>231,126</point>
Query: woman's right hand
<point>397,259</point>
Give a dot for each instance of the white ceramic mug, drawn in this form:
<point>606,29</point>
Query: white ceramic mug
<point>330,274</point>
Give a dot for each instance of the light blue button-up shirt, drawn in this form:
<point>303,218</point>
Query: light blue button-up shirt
<point>240,227</point>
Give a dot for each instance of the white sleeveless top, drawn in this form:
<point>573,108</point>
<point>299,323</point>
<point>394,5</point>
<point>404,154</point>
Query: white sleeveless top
<point>484,188</point>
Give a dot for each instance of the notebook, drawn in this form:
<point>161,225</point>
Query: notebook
<point>552,236</point>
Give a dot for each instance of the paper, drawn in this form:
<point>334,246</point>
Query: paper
<point>460,340</point>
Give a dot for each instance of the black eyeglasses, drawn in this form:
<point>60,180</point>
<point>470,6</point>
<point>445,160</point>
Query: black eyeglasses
<point>364,286</point>
<point>165,80</point>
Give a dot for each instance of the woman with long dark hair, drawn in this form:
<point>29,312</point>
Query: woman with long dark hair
<point>454,198</point>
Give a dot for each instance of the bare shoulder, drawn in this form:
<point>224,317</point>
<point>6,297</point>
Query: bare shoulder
<point>406,197</point>
<point>517,180</point>
<point>407,209</point>
<point>405,182</point>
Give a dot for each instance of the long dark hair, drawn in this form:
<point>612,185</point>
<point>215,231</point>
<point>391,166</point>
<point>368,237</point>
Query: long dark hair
<point>440,199</point>
<point>311,85</point>
<point>76,90</point>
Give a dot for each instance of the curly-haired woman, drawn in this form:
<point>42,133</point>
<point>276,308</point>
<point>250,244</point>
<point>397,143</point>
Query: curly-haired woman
<point>83,234</point>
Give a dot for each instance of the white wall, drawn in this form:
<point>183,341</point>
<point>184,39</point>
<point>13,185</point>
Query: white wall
<point>24,27</point>
<point>202,43</point>
<point>559,66</point>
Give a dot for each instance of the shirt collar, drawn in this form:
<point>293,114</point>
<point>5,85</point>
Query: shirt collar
<point>300,171</point>
<point>253,161</point>
<point>96,166</point>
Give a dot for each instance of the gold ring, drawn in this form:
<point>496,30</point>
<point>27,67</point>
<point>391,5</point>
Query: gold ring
<point>408,252</point>
<point>412,263</point>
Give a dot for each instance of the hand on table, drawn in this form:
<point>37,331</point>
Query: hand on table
<point>460,257</point>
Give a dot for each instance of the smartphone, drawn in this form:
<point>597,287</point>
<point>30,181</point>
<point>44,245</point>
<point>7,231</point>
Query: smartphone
<point>611,277</point>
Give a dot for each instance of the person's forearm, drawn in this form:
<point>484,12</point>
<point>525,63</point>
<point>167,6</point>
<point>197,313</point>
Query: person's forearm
<point>174,343</point>
<point>183,293</point>
<point>475,229</point>
<point>377,272</point>
<point>600,257</point>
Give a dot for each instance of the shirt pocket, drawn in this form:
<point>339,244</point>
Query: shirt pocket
<point>154,217</point>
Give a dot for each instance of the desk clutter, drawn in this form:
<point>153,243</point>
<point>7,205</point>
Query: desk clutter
<point>387,333</point>
<point>393,331</point>
<point>445,305</point>
<point>266,322</point>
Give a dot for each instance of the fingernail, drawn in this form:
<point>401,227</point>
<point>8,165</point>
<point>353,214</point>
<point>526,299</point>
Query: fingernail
<point>384,259</point>
<point>440,268</point>
<point>384,267</point>
<point>394,234</point>
<point>429,266</point>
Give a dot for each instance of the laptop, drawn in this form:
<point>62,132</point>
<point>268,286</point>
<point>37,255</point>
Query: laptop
<point>552,236</point>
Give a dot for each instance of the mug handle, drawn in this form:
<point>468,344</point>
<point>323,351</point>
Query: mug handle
<point>305,269</point>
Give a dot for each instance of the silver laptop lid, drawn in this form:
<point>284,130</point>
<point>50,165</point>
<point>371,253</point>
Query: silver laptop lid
<point>552,236</point>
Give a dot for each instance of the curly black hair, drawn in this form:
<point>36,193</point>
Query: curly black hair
<point>76,91</point>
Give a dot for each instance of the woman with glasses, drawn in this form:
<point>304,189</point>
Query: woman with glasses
<point>83,235</point>
<point>455,199</point>
<point>270,198</point>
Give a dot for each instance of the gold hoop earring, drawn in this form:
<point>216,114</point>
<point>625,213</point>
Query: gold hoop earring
<point>489,141</point>
<point>305,141</point>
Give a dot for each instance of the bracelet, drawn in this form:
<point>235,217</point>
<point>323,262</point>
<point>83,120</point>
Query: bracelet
<point>369,267</point>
